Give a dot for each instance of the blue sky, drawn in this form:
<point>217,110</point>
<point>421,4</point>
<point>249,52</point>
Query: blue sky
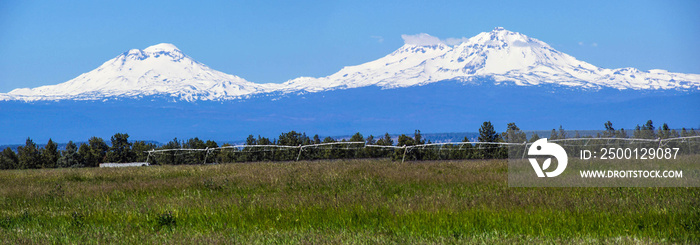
<point>49,42</point>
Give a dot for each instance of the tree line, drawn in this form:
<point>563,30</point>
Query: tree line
<point>89,154</point>
<point>121,150</point>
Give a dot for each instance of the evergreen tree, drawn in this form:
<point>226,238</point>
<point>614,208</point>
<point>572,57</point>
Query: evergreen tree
<point>648,130</point>
<point>466,150</point>
<point>684,133</point>
<point>317,140</point>
<point>173,144</point>
<point>664,131</point>
<point>251,140</point>
<point>674,134</point>
<point>140,151</point>
<point>196,157</point>
<point>621,133</point>
<point>120,151</point>
<point>211,155</point>
<point>292,138</point>
<point>370,140</point>
<point>8,159</point>
<point>49,155</point>
<point>513,134</point>
<point>264,141</point>
<point>98,152</point>
<point>417,138</point>
<point>609,130</point>
<point>267,154</point>
<point>553,135</point>
<point>305,140</point>
<point>83,154</point>
<point>353,152</point>
<point>328,140</point>
<point>170,157</point>
<point>386,140</point>
<point>194,143</point>
<point>648,126</point>
<point>371,151</point>
<point>229,156</point>
<point>487,133</point>
<point>405,141</point>
<point>29,156</point>
<point>70,156</point>
<point>357,137</point>
<point>534,137</point>
<point>329,152</point>
<point>211,144</point>
<point>637,134</point>
<point>562,133</point>
<point>251,153</point>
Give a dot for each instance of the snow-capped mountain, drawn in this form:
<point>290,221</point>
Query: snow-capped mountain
<point>161,69</point>
<point>499,55</point>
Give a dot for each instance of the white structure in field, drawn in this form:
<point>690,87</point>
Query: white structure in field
<point>128,164</point>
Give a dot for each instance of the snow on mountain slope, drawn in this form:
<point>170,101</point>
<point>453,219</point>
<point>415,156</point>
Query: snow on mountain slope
<point>499,55</point>
<point>407,64</point>
<point>161,69</point>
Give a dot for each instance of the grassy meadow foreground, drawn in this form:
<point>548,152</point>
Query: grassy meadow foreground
<point>344,201</point>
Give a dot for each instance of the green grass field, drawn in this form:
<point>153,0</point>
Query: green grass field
<point>344,201</point>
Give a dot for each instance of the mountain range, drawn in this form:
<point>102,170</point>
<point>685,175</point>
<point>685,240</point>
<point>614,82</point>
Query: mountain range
<point>500,55</point>
<point>501,76</point>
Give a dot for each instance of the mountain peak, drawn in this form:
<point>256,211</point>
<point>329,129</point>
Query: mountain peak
<point>503,38</point>
<point>500,31</point>
<point>159,70</point>
<point>162,47</point>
